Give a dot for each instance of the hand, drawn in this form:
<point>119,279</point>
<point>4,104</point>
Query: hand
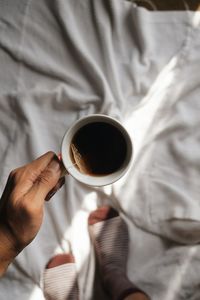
<point>22,204</point>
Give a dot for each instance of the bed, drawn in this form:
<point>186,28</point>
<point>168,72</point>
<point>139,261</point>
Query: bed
<point>61,60</point>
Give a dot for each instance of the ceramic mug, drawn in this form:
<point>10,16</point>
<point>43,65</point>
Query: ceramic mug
<point>104,142</point>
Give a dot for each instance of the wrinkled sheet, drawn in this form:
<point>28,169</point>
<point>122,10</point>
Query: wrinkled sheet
<point>61,60</point>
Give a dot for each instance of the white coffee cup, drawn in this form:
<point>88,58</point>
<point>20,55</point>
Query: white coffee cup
<point>91,179</point>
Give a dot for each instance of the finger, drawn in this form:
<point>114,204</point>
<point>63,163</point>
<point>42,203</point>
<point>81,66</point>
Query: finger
<point>41,163</point>
<point>60,183</point>
<point>22,179</point>
<point>25,176</point>
<point>46,181</point>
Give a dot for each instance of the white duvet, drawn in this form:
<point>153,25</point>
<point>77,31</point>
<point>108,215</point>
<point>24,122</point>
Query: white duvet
<point>61,60</point>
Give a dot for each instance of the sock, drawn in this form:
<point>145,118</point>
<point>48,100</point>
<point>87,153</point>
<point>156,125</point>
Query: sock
<point>60,278</point>
<point>109,234</point>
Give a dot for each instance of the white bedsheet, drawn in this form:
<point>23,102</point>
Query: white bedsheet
<point>61,60</point>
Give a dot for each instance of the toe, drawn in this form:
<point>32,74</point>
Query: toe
<point>60,259</point>
<point>101,214</point>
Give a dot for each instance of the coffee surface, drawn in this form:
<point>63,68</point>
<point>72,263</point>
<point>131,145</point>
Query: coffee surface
<point>98,149</point>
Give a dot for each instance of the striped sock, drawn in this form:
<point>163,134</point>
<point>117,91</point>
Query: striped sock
<point>109,234</point>
<point>60,278</point>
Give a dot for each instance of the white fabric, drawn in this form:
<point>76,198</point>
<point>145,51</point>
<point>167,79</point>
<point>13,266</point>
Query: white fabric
<point>60,60</point>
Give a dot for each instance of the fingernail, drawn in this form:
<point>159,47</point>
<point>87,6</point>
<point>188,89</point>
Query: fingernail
<point>59,156</point>
<point>60,183</point>
<point>55,189</point>
<point>50,195</point>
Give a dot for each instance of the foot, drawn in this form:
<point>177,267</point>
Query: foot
<point>60,278</point>
<point>109,234</point>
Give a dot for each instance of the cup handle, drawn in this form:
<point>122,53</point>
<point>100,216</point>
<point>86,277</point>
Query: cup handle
<point>63,169</point>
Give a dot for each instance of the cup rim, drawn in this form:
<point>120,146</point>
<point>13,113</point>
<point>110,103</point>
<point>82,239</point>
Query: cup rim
<point>87,179</point>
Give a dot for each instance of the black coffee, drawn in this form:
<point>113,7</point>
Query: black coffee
<point>98,149</point>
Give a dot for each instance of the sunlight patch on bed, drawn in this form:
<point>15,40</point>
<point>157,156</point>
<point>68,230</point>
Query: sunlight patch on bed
<point>196,19</point>
<point>36,294</point>
<point>143,116</point>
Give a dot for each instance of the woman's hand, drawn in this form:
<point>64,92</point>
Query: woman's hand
<point>22,204</point>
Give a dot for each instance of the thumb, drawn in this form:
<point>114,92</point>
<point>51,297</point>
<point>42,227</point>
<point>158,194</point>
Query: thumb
<point>46,181</point>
